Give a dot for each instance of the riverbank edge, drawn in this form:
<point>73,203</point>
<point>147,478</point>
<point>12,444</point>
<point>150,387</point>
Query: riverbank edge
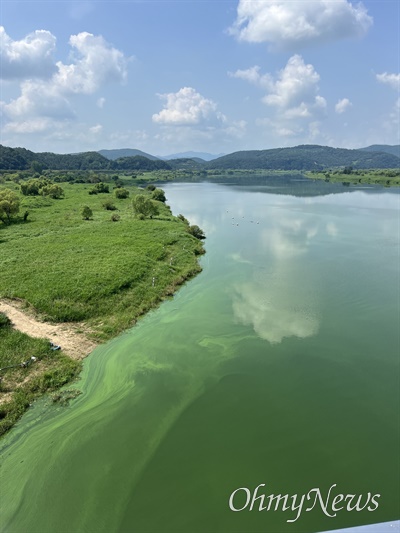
<point>27,319</point>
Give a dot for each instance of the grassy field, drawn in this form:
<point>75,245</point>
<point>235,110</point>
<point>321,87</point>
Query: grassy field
<point>22,385</point>
<point>103,273</point>
<point>384,177</point>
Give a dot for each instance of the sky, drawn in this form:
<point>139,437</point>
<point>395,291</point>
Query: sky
<point>216,76</point>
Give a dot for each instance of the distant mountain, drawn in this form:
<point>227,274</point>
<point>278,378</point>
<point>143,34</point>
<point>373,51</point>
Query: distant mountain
<point>205,156</point>
<point>21,159</point>
<point>305,157</point>
<point>185,163</point>
<point>139,162</point>
<point>125,152</point>
<point>394,150</point>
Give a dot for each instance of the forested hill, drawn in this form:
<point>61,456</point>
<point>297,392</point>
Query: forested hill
<point>22,159</point>
<point>394,150</point>
<point>125,152</point>
<point>305,157</point>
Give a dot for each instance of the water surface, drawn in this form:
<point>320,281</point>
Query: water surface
<point>278,364</point>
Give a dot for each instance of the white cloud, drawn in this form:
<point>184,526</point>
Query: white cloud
<point>186,107</point>
<point>393,80</point>
<point>342,105</point>
<point>296,85</point>
<point>293,93</point>
<point>94,63</point>
<point>38,99</point>
<point>252,75</point>
<point>289,25</point>
<point>97,63</point>
<point>31,57</point>
<point>100,102</point>
<point>96,129</point>
<point>34,125</point>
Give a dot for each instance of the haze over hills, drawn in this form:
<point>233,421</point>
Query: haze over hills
<point>125,152</point>
<point>305,157</point>
<point>394,150</point>
<point>205,156</point>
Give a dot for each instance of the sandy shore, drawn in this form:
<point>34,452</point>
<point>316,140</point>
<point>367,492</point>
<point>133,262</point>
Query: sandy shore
<point>72,343</point>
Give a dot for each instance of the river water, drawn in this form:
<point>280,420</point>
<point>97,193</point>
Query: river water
<point>277,365</point>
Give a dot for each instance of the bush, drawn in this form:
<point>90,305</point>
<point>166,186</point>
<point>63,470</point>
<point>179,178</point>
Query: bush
<point>4,321</point>
<point>151,187</point>
<point>9,205</point>
<point>121,193</point>
<point>196,232</point>
<point>99,188</point>
<point>115,217</point>
<point>54,191</point>
<point>158,195</point>
<point>109,206</point>
<point>86,213</point>
<point>144,206</point>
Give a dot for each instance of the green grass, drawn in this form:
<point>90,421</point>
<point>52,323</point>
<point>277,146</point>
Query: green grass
<point>102,273</point>
<point>51,370</point>
<point>384,177</point>
<point>97,271</point>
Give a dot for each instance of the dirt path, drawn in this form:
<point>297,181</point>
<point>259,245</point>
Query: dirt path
<point>72,343</point>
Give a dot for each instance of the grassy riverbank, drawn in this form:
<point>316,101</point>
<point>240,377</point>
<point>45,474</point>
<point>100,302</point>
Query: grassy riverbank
<point>384,177</point>
<point>101,273</point>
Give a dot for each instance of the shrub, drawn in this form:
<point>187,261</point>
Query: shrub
<point>121,193</point>
<point>4,321</point>
<point>151,187</point>
<point>115,217</point>
<point>144,206</point>
<point>99,188</point>
<point>159,195</point>
<point>86,213</point>
<point>54,191</point>
<point>196,232</point>
<point>9,205</point>
<point>109,206</point>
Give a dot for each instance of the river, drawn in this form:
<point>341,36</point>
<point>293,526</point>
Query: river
<point>277,365</point>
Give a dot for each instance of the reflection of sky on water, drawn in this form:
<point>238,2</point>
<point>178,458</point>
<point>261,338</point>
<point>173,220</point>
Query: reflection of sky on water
<point>280,301</point>
<point>271,236</point>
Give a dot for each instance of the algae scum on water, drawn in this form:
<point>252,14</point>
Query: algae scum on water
<point>277,365</point>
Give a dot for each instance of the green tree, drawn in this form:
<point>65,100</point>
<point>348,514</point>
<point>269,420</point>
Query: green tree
<point>121,193</point>
<point>54,191</point>
<point>86,213</point>
<point>159,195</point>
<point>144,206</point>
<point>36,167</point>
<point>196,232</point>
<point>9,205</point>
<point>99,188</point>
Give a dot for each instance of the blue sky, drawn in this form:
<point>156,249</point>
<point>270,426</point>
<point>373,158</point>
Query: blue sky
<point>217,76</point>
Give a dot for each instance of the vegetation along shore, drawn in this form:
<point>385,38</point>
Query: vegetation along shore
<point>81,261</point>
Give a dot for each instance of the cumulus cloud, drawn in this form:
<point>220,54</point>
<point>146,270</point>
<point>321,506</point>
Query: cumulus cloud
<point>94,63</point>
<point>97,63</point>
<point>289,25</point>
<point>293,92</point>
<point>252,75</point>
<point>186,107</point>
<point>293,96</point>
<point>296,88</point>
<point>32,56</point>
<point>342,105</point>
<point>393,80</point>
